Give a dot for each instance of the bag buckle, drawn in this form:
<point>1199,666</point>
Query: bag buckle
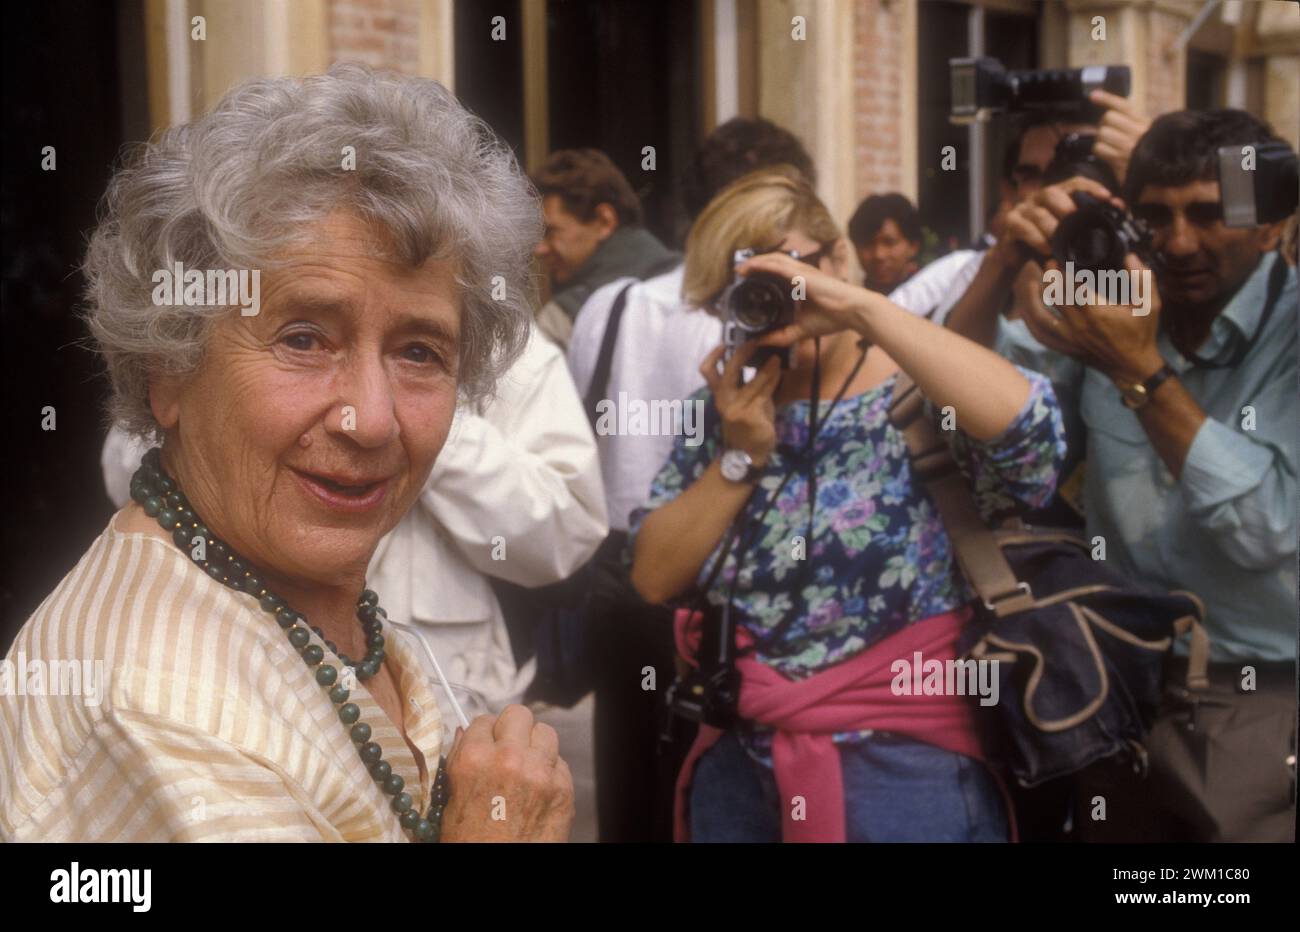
<point>1008,603</point>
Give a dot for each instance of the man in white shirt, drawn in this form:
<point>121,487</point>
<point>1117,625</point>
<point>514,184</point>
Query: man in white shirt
<point>934,289</point>
<point>660,346</point>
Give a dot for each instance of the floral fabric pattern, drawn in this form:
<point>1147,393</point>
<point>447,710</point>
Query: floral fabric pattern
<point>877,558</point>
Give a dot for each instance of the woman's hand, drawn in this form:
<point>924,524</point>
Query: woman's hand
<point>747,411</point>
<point>824,304</point>
<point>508,782</point>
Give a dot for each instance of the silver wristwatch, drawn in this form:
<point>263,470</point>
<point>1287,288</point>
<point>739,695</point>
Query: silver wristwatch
<point>738,466</point>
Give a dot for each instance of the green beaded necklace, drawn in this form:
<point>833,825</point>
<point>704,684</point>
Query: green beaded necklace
<point>160,497</point>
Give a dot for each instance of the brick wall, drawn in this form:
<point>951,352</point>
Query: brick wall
<point>1166,76</point>
<point>877,87</point>
<point>380,33</point>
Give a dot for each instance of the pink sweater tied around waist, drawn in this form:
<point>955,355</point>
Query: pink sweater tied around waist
<point>850,696</point>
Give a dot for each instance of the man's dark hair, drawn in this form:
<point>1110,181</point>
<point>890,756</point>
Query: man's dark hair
<point>1030,120</point>
<point>1182,147</point>
<point>735,149</point>
<point>583,179</point>
<point>875,210</point>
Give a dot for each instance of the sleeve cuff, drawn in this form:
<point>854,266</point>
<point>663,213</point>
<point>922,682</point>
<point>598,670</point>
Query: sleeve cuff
<point>1221,465</point>
<point>1026,420</point>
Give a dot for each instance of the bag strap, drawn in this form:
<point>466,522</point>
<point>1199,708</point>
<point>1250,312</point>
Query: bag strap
<point>605,360</point>
<point>975,547</point>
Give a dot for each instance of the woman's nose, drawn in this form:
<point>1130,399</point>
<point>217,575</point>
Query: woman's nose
<point>366,409</point>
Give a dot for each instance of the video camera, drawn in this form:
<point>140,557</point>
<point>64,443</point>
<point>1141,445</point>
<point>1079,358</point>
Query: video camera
<point>982,87</point>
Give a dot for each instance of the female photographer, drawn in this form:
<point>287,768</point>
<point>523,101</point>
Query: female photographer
<point>840,566</point>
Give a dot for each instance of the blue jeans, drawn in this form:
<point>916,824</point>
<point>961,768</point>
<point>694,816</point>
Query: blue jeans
<point>895,789</point>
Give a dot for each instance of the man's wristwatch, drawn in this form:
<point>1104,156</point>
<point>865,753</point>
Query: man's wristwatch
<point>738,466</point>
<point>1139,395</point>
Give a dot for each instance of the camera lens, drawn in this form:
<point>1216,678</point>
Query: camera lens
<point>1091,239</point>
<point>757,304</point>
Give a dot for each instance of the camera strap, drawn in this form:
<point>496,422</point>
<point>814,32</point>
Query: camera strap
<point>723,649</point>
<point>1276,279</point>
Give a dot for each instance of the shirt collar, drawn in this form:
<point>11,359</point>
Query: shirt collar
<point>1239,319</point>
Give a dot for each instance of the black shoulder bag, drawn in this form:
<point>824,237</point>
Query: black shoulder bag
<point>1080,648</point>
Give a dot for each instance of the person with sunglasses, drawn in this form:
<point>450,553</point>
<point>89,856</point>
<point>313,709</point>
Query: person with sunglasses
<point>1192,454</point>
<point>829,554</point>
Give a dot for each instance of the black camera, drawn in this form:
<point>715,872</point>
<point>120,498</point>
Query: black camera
<point>1258,184</point>
<point>709,694</point>
<point>1098,235</point>
<point>707,698</point>
<point>982,87</point>
<point>754,306</point>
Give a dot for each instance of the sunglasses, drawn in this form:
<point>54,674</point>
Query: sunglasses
<point>813,258</point>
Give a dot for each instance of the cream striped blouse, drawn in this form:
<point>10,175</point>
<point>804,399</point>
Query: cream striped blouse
<point>209,728</point>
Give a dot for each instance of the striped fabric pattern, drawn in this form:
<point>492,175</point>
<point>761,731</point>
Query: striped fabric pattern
<point>209,728</point>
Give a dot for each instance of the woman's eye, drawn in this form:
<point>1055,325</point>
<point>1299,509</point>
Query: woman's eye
<point>419,353</point>
<point>299,341</point>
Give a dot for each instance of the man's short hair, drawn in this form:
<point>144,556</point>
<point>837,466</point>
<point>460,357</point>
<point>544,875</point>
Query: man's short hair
<point>875,210</point>
<point>583,179</point>
<point>1182,147</point>
<point>1031,120</point>
<point>733,150</point>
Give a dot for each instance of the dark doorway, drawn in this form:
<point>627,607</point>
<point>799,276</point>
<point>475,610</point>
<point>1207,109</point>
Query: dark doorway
<point>490,71</point>
<point>1206,78</point>
<point>622,76</point>
<point>944,203</point>
<point>62,89</point>
<point>945,195</point>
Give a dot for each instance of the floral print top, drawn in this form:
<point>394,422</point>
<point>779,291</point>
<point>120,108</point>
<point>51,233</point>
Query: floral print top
<point>878,557</point>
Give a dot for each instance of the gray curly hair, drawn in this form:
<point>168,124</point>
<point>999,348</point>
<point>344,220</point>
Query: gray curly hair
<point>230,188</point>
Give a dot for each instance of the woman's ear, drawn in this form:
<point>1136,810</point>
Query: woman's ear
<point>165,400</point>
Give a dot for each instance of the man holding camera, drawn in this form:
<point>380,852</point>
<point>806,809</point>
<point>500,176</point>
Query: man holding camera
<point>1190,406</point>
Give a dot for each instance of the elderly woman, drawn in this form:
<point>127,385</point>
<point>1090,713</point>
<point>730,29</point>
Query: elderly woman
<point>841,565</point>
<point>254,690</point>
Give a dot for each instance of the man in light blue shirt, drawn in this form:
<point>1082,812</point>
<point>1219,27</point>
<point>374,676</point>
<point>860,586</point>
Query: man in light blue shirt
<point>1188,393</point>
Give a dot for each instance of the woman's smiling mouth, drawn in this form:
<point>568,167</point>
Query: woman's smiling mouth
<point>343,493</point>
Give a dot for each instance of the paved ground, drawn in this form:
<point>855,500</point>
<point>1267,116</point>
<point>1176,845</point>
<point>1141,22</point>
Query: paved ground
<point>574,728</point>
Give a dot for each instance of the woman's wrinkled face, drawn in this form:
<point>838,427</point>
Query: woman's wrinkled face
<point>309,429</point>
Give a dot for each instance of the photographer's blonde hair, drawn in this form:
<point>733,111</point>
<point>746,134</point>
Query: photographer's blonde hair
<point>756,211</point>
